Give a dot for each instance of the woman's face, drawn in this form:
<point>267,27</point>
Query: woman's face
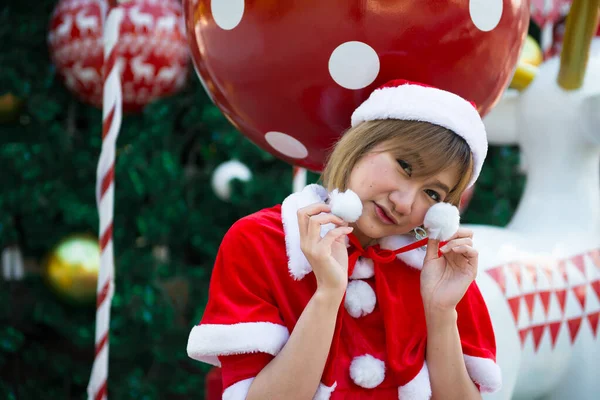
<point>394,202</point>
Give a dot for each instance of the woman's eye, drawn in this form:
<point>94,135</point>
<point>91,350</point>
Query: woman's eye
<point>405,166</point>
<point>434,195</point>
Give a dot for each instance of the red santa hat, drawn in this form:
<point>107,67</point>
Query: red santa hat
<point>412,101</point>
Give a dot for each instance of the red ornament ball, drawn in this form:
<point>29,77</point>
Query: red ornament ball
<point>151,50</point>
<point>288,74</point>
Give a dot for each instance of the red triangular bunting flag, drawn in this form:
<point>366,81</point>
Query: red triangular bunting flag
<point>595,256</point>
<point>514,304</point>
<point>523,333</point>
<point>529,300</point>
<point>574,325</point>
<point>548,272</point>
<point>516,270</point>
<point>593,319</point>
<point>532,272</point>
<point>579,292</point>
<point>545,297</point>
<point>497,274</point>
<point>538,331</point>
<point>596,287</point>
<point>561,295</point>
<point>579,263</point>
<point>562,268</point>
<point>554,329</point>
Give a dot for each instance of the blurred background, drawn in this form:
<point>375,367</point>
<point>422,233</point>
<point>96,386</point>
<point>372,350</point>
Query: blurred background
<point>168,220</point>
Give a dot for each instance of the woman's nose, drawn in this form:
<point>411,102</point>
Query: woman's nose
<point>403,201</point>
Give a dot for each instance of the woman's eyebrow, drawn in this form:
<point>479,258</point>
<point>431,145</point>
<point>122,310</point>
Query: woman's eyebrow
<point>440,185</point>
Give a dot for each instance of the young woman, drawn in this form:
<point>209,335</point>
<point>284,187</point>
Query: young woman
<point>304,306</point>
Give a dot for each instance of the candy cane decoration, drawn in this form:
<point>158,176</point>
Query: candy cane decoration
<point>299,179</point>
<point>111,123</point>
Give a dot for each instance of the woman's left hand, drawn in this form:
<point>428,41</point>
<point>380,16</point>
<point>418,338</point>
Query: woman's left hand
<point>444,280</point>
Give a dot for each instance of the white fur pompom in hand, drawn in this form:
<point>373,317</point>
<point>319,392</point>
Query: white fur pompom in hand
<point>346,205</point>
<point>442,221</point>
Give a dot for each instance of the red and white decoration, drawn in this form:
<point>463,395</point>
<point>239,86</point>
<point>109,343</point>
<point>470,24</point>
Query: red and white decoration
<point>152,49</point>
<point>112,113</point>
<point>225,173</point>
<point>309,81</point>
<point>550,16</point>
<point>548,299</point>
<point>540,275</point>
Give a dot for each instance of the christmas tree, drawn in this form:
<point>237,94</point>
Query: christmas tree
<point>167,227</point>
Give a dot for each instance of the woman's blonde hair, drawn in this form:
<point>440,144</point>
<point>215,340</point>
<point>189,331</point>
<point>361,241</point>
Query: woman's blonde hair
<point>429,148</point>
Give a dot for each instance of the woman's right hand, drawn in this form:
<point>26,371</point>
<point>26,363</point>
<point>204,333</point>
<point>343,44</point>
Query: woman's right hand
<point>328,256</point>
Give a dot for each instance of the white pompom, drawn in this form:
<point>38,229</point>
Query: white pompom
<point>227,172</point>
<point>346,205</point>
<point>367,371</point>
<point>442,221</point>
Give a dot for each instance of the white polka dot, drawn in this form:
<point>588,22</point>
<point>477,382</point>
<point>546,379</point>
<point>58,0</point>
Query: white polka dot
<point>286,145</point>
<point>485,14</point>
<point>354,65</point>
<point>227,13</point>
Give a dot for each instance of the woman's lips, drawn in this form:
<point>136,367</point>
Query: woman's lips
<point>383,217</point>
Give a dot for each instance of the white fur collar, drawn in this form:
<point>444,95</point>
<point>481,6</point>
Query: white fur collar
<point>298,264</point>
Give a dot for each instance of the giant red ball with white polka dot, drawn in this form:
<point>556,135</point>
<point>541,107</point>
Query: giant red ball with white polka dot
<point>288,74</point>
<point>152,49</point>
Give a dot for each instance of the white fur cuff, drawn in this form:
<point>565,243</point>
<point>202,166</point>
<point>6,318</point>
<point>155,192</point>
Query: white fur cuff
<point>324,392</point>
<point>238,391</point>
<point>485,372</point>
<point>208,341</point>
<point>417,389</point>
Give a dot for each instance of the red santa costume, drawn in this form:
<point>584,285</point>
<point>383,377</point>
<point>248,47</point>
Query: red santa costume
<point>262,282</point>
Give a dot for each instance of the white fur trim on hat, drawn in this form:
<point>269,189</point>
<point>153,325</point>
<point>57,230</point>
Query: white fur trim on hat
<point>442,221</point>
<point>367,371</point>
<point>324,392</point>
<point>346,205</point>
<point>485,372</point>
<point>360,299</point>
<point>419,388</point>
<point>363,269</point>
<point>208,341</point>
<point>238,391</point>
<point>419,103</point>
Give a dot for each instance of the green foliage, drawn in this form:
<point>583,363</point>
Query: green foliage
<point>165,159</point>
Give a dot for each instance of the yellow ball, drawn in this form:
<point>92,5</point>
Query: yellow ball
<point>529,60</point>
<point>72,267</point>
<point>531,53</point>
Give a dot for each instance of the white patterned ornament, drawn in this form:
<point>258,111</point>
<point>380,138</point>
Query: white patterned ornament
<point>152,49</point>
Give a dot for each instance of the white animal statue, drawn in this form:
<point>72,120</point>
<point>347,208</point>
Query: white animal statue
<point>540,275</point>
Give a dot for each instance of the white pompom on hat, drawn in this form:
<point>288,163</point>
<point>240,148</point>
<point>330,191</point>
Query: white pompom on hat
<point>412,101</point>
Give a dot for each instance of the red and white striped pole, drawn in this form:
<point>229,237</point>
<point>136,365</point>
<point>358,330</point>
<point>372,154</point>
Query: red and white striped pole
<point>111,124</point>
<point>298,179</point>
